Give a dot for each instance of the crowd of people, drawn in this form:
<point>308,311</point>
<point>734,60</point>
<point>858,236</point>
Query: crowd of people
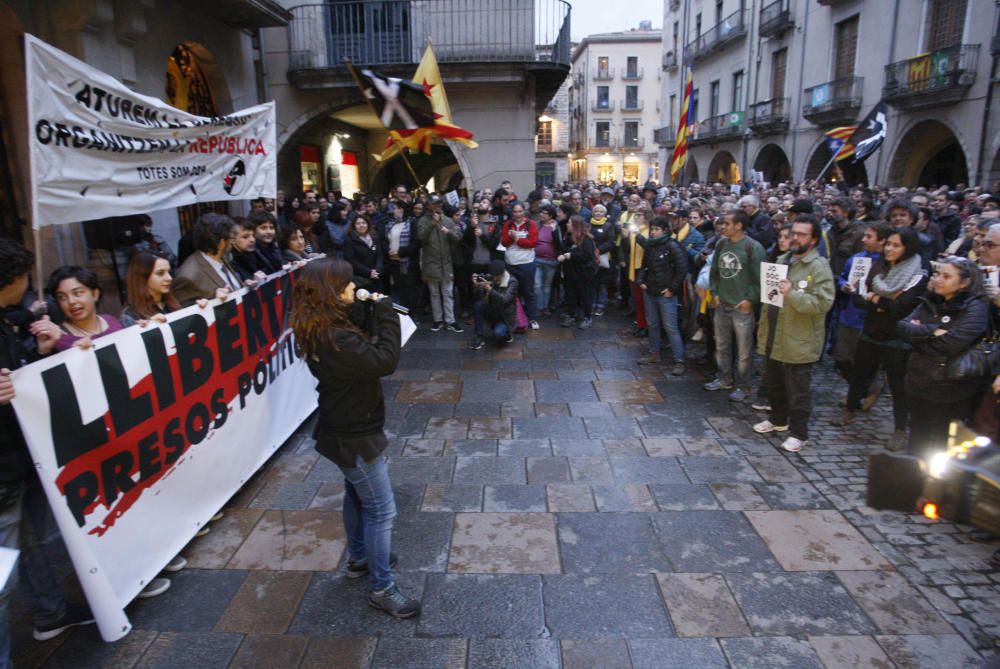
<point>894,286</point>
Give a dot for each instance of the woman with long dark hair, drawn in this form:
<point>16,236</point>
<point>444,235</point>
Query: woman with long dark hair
<point>363,250</point>
<point>579,266</point>
<point>349,347</point>
<point>148,288</point>
<point>893,288</point>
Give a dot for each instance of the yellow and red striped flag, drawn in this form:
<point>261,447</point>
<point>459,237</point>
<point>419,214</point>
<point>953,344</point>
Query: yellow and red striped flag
<point>836,141</point>
<point>683,129</point>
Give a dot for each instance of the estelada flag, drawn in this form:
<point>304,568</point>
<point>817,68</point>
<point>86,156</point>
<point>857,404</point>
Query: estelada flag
<point>836,141</point>
<point>870,133</point>
<point>428,77</point>
<point>679,157</point>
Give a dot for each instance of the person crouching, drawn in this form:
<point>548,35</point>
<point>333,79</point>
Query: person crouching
<point>495,305</point>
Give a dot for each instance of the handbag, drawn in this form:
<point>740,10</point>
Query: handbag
<point>976,362</point>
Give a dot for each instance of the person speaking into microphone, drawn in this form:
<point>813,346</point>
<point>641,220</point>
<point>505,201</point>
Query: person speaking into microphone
<point>349,346</point>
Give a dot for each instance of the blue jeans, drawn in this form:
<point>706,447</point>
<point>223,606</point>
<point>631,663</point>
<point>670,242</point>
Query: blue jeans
<point>601,287</point>
<point>661,309</point>
<point>369,507</point>
<point>732,324</point>
<point>525,275</point>
<point>499,328</point>
<point>545,272</point>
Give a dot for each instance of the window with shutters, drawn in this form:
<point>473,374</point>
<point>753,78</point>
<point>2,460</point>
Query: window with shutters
<point>718,12</point>
<point>845,47</point>
<point>779,65</point>
<point>737,91</point>
<point>545,134</point>
<point>697,25</point>
<point>947,23</point>
<point>632,67</point>
<point>602,66</point>
<point>603,135</point>
<point>631,97</point>
<point>631,134</point>
<point>602,97</point>
<point>713,99</point>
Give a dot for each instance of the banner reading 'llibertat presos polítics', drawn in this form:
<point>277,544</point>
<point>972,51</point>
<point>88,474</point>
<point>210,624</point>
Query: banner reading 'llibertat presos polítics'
<point>99,149</point>
<point>141,439</point>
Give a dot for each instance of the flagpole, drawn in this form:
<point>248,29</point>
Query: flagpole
<point>361,87</point>
<point>827,166</point>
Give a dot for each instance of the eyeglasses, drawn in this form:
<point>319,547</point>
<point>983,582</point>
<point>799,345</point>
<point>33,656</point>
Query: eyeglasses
<point>988,244</point>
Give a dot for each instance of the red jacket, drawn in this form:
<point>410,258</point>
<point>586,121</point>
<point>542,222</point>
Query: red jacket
<point>525,242</point>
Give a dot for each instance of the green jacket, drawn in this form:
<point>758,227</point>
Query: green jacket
<point>800,327</point>
<point>435,247</point>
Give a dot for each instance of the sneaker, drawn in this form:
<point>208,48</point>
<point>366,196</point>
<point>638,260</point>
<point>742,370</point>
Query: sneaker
<point>568,322</point>
<point>598,311</point>
<point>509,339</point>
<point>793,444</point>
<point>156,587</point>
<point>653,359</point>
<point>534,325</point>
<point>678,369</point>
<point>698,335</point>
<point>478,343</point>
<point>393,602</point>
<point>846,418</point>
<point>218,516</point>
<point>640,333</point>
<point>203,531</point>
<point>437,326</point>
<point>766,426</point>
<point>358,568</point>
<point>584,324</point>
<point>75,615</point>
<point>760,406</point>
<point>738,395</point>
<point>176,564</point>
<point>718,384</point>
<point>455,327</point>
<point>897,440</point>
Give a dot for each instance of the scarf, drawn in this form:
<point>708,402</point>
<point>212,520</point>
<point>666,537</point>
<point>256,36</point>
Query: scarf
<point>898,277</point>
<point>598,221</point>
<point>404,233</point>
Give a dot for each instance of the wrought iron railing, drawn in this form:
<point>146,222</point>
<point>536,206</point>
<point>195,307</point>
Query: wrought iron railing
<point>604,144</point>
<point>632,105</point>
<point>728,29</point>
<point>604,74</point>
<point>633,142</point>
<point>951,67</point>
<point>387,32</point>
<point>775,17</point>
<point>633,74</point>
<point>770,111</point>
<point>720,127</point>
<point>603,106</point>
<point>669,61</point>
<point>665,136</point>
<point>833,95</point>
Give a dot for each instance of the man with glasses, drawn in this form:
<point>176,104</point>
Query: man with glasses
<point>791,337</point>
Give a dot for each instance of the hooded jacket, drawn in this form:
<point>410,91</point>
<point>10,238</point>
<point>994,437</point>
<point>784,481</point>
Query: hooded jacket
<point>800,324</point>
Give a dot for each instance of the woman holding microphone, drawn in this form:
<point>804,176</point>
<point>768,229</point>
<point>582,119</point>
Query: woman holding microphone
<point>349,347</point>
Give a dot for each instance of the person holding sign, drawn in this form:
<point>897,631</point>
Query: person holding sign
<point>349,347</point>
<point>894,287</point>
<point>791,338</point>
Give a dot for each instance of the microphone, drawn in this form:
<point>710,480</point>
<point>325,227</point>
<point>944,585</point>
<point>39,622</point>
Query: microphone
<point>363,295</point>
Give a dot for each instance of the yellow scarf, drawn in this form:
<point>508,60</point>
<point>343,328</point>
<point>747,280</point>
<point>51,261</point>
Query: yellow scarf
<point>636,252</point>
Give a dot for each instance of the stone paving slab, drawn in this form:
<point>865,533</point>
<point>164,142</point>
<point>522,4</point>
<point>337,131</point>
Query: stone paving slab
<point>722,540</point>
<point>504,543</point>
<point>477,605</point>
<point>815,541</point>
<point>677,654</point>
<point>850,651</point>
<point>603,653</point>
<point>701,605</point>
<point>630,606</point>
<point>770,652</point>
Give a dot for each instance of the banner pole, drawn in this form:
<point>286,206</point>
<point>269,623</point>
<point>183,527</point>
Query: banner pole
<point>827,166</point>
<point>39,286</point>
<point>361,87</point>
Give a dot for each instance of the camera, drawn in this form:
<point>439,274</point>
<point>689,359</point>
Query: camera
<point>476,278</point>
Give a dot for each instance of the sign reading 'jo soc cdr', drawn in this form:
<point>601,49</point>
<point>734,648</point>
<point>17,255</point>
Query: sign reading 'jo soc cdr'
<point>98,149</point>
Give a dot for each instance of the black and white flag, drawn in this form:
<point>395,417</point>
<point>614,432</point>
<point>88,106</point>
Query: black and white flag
<point>870,133</point>
<point>399,103</point>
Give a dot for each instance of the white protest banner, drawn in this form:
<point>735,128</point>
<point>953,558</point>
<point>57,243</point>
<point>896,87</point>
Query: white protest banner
<point>140,440</point>
<point>99,149</point>
<point>857,278</point>
<point>770,275</point>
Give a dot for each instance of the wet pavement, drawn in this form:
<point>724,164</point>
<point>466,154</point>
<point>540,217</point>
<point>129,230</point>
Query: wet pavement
<point>560,506</point>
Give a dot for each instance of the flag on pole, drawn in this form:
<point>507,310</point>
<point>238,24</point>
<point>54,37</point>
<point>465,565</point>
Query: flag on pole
<point>399,104</point>
<point>836,141</point>
<point>870,133</point>
<point>679,157</point>
<point>427,79</point>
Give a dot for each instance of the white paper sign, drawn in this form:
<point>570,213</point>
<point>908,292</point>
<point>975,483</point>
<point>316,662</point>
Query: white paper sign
<point>99,149</point>
<point>406,329</point>
<point>857,279</point>
<point>991,275</point>
<point>452,198</point>
<point>8,558</point>
<point>770,275</point>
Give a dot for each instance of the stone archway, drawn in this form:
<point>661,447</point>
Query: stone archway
<point>843,169</point>
<point>773,163</point>
<point>723,168</point>
<point>928,153</point>
<point>691,170</point>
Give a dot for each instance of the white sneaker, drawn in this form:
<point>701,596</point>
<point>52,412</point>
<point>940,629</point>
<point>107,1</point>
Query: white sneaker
<point>534,325</point>
<point>698,335</point>
<point>794,444</point>
<point>178,563</point>
<point>766,426</point>
<point>156,587</point>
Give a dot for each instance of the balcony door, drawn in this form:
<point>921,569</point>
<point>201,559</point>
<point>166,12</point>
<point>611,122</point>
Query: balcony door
<point>369,33</point>
<point>947,23</point>
<point>845,48</point>
<point>779,67</point>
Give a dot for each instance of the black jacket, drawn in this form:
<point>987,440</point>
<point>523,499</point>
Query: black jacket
<point>363,258</point>
<point>880,319</point>
<point>245,264</point>
<point>16,350</point>
<point>950,225</point>
<point>349,372</point>
<point>582,264</point>
<point>664,265</point>
<point>269,258</point>
<point>500,302</point>
<point>761,229</point>
<point>605,235</point>
<point>844,242</point>
<point>966,319</point>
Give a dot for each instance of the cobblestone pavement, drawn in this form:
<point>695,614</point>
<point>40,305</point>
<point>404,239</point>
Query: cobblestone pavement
<point>561,507</point>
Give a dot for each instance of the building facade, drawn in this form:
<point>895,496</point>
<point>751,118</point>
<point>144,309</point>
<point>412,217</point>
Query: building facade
<point>552,139</point>
<point>772,76</point>
<point>614,107</point>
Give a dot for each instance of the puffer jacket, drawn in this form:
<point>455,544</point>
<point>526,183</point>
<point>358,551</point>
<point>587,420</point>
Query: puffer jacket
<point>500,300</point>
<point>800,324</point>
<point>664,265</point>
<point>966,319</point>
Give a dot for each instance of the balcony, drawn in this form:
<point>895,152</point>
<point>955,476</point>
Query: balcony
<point>775,19</point>
<point>721,128</point>
<point>603,107</point>
<point>833,103</point>
<point>934,79</point>
<point>669,61</point>
<point>632,75</point>
<point>665,136</point>
<point>477,42</point>
<point>730,29</point>
<point>605,74</point>
<point>605,145</point>
<point>630,143</point>
<point>632,106</point>
<point>770,116</point>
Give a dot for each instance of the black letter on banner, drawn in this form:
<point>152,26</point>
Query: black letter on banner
<point>80,493</point>
<point>159,364</point>
<point>70,437</point>
<point>174,442</point>
<point>149,456</point>
<point>227,333</point>
<point>219,408</point>
<point>268,295</point>
<point>256,339</point>
<point>116,475</point>
<point>126,411</point>
<point>193,357</point>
